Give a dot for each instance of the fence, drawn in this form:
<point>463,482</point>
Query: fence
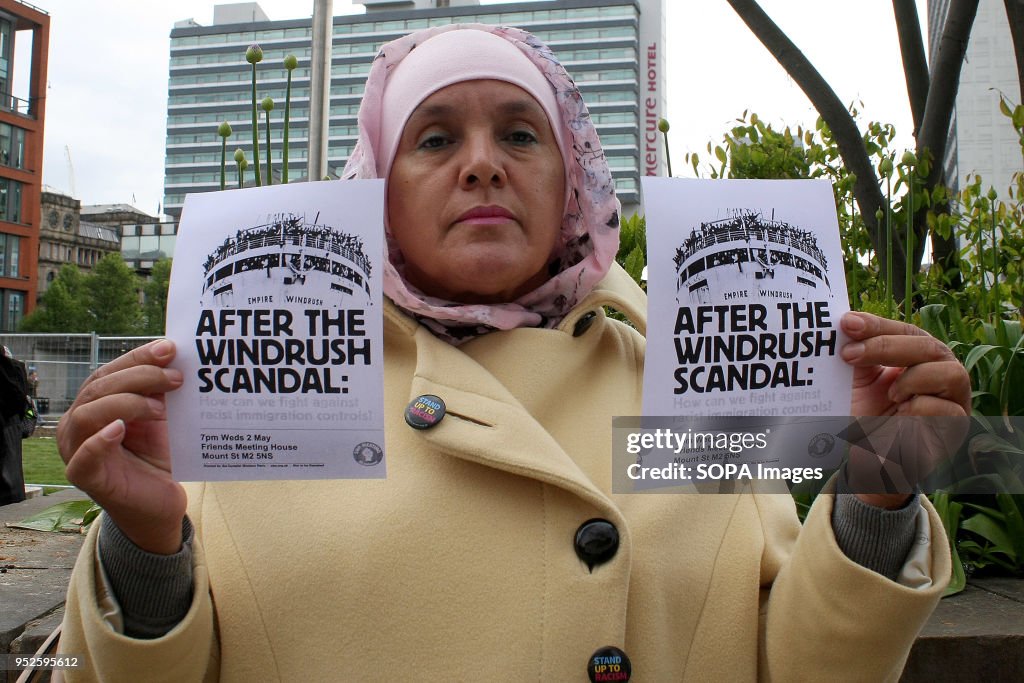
<point>63,361</point>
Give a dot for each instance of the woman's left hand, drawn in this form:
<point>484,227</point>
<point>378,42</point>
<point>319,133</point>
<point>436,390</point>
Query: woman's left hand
<point>901,370</point>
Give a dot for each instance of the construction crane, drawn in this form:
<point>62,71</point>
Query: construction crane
<point>71,170</point>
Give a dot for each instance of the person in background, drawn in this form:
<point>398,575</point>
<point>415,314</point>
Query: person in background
<point>495,550</point>
<point>14,404</point>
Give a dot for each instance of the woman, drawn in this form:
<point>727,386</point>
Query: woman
<point>495,549</point>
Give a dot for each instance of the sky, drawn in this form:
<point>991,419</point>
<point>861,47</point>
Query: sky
<point>106,104</point>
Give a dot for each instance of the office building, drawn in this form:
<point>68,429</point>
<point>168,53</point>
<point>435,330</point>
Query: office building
<point>65,237</point>
<point>981,140</point>
<point>22,112</point>
<point>614,49</point>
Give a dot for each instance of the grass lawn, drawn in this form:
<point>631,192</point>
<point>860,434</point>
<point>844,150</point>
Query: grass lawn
<point>41,462</point>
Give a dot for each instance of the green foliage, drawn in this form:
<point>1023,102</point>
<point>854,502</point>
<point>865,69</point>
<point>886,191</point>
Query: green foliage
<point>105,301</point>
<point>753,148</point>
<point>154,310</point>
<point>987,530</point>
<point>64,306</point>
<point>114,297</point>
<point>73,516</point>
<point>632,254</point>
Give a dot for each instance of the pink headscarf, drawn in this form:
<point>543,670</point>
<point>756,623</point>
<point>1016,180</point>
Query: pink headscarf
<point>590,227</point>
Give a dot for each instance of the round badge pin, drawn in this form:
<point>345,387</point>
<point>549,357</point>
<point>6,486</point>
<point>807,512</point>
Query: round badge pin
<point>609,664</point>
<point>424,412</point>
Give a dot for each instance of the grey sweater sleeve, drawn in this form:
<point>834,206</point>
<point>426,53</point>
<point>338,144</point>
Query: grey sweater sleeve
<point>873,537</point>
<point>153,591</point>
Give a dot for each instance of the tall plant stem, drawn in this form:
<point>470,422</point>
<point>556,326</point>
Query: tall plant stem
<point>270,176</point>
<point>255,131</point>
<point>908,282</point>
<point>981,268</point>
<point>995,266</point>
<point>668,155</point>
<point>287,115</point>
<point>890,304</point>
<point>223,161</point>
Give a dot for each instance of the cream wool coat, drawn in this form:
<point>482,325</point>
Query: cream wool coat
<point>460,565</point>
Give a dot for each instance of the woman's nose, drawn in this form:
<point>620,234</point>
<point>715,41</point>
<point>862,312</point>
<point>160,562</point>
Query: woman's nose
<point>482,163</point>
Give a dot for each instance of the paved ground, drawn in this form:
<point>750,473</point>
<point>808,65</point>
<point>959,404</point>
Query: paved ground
<point>34,571</point>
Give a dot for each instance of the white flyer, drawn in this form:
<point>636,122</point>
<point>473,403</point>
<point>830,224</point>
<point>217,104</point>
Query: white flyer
<point>746,287</point>
<point>275,306</point>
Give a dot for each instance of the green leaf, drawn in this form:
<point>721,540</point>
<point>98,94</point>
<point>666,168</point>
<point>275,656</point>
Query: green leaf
<point>989,529</point>
<point>634,264</point>
<point>1018,116</point>
<point>990,443</point>
<point>931,321</point>
<point>977,353</point>
<point>1005,108</point>
<point>949,513</point>
<point>61,517</point>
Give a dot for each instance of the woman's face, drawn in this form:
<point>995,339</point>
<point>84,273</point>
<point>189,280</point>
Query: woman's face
<point>477,193</point>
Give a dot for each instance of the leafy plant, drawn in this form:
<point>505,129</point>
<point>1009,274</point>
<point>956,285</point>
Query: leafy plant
<point>632,254</point>
<point>73,515</point>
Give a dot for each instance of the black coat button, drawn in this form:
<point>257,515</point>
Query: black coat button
<point>609,664</point>
<point>424,411</point>
<point>584,323</point>
<point>597,541</point>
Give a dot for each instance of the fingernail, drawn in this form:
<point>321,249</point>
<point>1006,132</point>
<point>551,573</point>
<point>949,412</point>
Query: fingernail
<point>113,431</point>
<point>163,348</point>
<point>853,323</point>
<point>173,375</point>
<point>155,404</point>
<point>852,351</point>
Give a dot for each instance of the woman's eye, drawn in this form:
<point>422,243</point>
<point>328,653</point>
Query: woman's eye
<point>433,142</point>
<point>522,137</point>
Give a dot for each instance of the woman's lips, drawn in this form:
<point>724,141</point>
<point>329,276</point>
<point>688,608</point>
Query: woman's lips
<point>486,215</point>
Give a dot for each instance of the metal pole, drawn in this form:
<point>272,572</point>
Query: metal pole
<point>320,88</point>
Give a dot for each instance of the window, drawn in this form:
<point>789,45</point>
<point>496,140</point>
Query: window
<point>10,248</point>
<point>14,307</point>
<point>5,59</point>
<point>10,200</point>
<point>12,146</point>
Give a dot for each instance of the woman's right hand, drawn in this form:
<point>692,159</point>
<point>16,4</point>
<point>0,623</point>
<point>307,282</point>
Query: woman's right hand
<point>114,442</point>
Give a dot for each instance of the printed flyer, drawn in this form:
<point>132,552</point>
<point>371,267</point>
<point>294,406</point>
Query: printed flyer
<point>275,306</point>
<point>746,287</point>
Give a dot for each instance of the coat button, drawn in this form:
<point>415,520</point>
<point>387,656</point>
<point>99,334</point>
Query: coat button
<point>584,323</point>
<point>597,541</point>
<point>609,664</point>
<point>424,411</point>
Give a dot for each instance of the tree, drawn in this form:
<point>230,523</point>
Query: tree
<point>63,307</point>
<point>155,290</point>
<point>931,105</point>
<point>1015,15</point>
<point>114,297</point>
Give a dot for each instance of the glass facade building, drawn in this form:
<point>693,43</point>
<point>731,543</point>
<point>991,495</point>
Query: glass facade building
<point>600,43</point>
<point>981,140</point>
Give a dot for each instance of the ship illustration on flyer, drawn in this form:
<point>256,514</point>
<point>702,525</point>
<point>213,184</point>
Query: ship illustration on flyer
<point>746,287</point>
<point>275,306</point>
